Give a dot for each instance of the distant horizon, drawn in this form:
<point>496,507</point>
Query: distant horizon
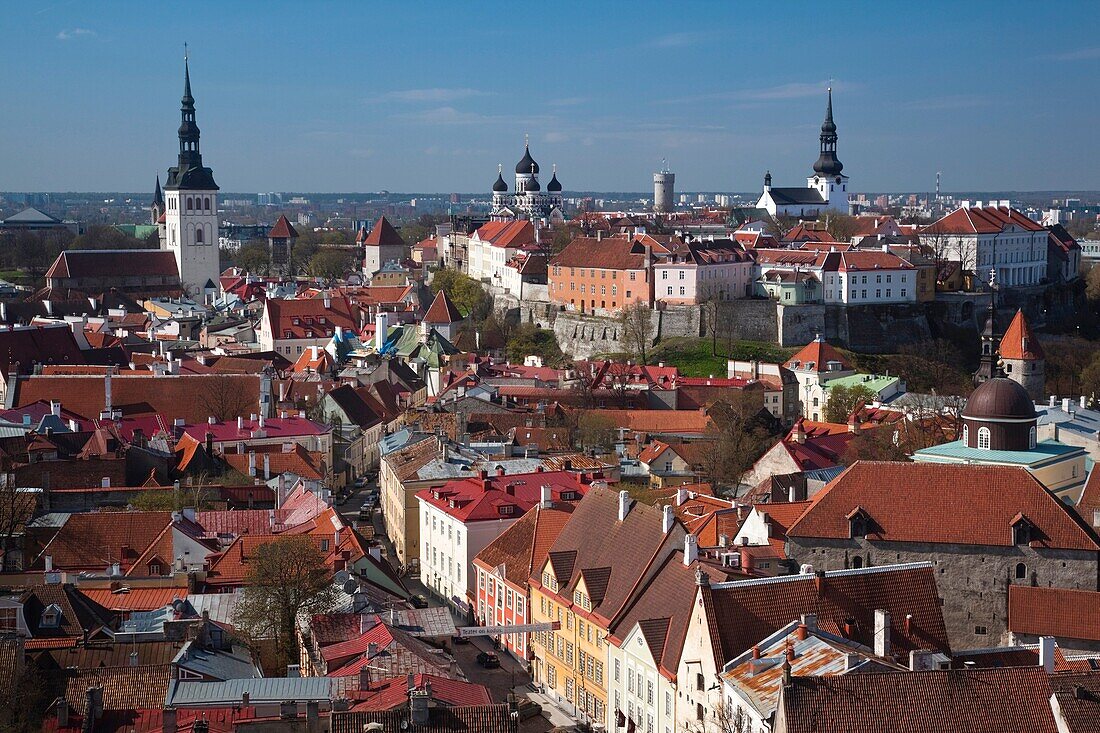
<point>568,193</point>
<point>996,98</point>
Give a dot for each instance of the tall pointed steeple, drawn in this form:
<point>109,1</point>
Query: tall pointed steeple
<point>158,194</point>
<point>827,163</point>
<point>989,367</point>
<point>189,173</point>
<point>189,130</point>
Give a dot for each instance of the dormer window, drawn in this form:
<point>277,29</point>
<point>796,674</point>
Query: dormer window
<point>858,522</point>
<point>1021,531</point>
<point>507,509</point>
<point>321,320</point>
<point>51,617</point>
<point>309,321</point>
<point>296,322</point>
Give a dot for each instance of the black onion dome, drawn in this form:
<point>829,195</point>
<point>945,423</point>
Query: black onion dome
<point>527,164</point>
<point>500,186</point>
<point>555,184</point>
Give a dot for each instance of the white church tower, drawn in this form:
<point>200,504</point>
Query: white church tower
<point>828,179</point>
<point>191,207</point>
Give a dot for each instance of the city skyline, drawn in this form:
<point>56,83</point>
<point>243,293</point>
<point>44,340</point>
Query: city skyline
<point>390,100</point>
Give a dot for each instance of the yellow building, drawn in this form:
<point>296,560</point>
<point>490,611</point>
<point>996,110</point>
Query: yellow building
<point>607,550</point>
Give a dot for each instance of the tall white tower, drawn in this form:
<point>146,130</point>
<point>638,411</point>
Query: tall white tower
<point>664,190</point>
<point>191,207</point>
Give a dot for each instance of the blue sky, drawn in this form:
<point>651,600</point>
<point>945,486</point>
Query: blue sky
<point>431,96</point>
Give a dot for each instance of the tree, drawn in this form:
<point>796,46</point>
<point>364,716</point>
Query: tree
<point>328,264</point>
<point>254,258</point>
<point>738,433</point>
<point>596,430</point>
<point>286,577</point>
<point>222,398</point>
<point>17,506</point>
<point>466,293</point>
<point>1090,380</point>
<point>196,495</point>
<point>1092,285</point>
<point>842,227</point>
<point>843,401</point>
<point>880,443</point>
<point>529,339</point>
<point>634,326</point>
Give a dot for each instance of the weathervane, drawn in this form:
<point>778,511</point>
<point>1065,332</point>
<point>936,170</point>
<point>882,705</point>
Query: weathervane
<point>185,50</point>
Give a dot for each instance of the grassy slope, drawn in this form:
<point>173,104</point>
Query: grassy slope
<point>693,357</point>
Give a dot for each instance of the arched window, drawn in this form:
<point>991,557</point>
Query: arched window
<point>1031,438</point>
<point>190,203</point>
<point>857,562</point>
<point>983,438</point>
<point>966,435</point>
<point>206,203</point>
<point>198,236</point>
<point>1021,571</point>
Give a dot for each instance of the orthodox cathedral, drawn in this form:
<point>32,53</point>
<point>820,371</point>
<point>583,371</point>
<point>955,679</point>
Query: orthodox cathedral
<point>827,188</point>
<point>529,200</point>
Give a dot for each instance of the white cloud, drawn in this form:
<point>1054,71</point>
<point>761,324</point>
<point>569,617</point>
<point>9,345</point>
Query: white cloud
<point>1080,54</point>
<point>679,40</point>
<point>437,94</point>
<point>72,34</point>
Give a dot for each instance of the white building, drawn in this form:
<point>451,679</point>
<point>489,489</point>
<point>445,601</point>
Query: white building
<point>984,239</point>
<point>492,247</point>
<point>826,189</point>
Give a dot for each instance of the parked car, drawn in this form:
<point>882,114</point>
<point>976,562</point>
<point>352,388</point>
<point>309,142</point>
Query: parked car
<point>458,640</point>
<point>365,510</point>
<point>419,601</point>
<point>488,660</point>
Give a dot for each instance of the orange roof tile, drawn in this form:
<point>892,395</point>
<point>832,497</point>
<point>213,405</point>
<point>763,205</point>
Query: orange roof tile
<point>1019,342</point>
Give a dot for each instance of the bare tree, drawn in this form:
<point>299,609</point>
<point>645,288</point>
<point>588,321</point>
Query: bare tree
<point>223,398</point>
<point>17,505</point>
<point>634,323</point>
<point>738,433</point>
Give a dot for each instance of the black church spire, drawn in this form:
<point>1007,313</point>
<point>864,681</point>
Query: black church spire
<point>189,173</point>
<point>827,163</point>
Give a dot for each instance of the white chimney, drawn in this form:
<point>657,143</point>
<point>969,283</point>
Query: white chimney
<point>381,327</point>
<point>667,519</point>
<point>55,408</point>
<point>212,420</point>
<point>624,504</point>
<point>691,549</point>
<point>1053,401</point>
<point>1046,653</point>
<point>105,482</point>
<point>1084,402</point>
<point>882,633</point>
<point>48,559</point>
<point>681,496</point>
<point>252,463</point>
<point>267,467</point>
<point>1066,402</point>
<point>547,497</point>
<point>240,423</point>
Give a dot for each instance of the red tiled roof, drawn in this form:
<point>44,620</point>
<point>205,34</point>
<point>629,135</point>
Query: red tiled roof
<point>975,701</point>
<point>393,692</point>
<point>231,566</point>
<point>442,310</point>
<point>190,397</point>
<point>298,461</point>
<point>282,229</point>
<point>475,499</point>
<point>134,599</point>
<point>290,316</point>
<point>275,427</point>
<point>941,503</point>
<point>610,253</point>
<point>817,353</point>
<point>95,540</point>
<point>27,346</point>
<point>1062,612</point>
<point>112,262</point>
<point>381,234</point>
<point>1019,341</point>
<point>741,614</point>
<point>522,548</point>
<point>985,220</point>
<point>1077,696</point>
<point>868,259</point>
<point>507,233</point>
